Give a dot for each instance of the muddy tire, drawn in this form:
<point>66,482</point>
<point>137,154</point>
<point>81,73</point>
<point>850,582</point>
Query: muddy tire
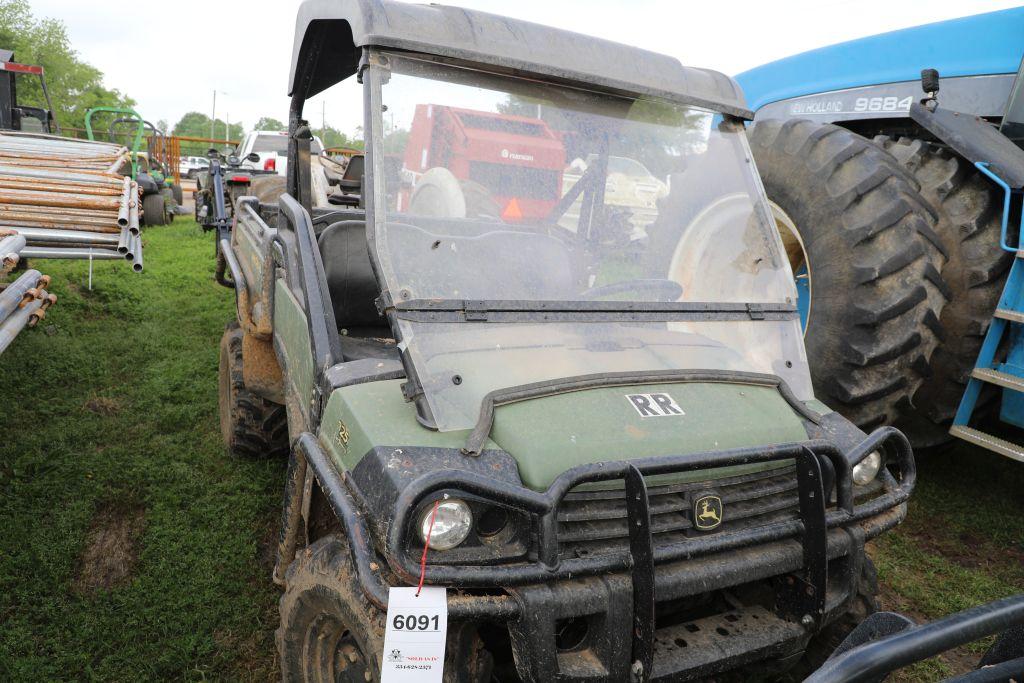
<point>970,213</point>
<point>869,241</point>
<point>267,188</point>
<point>179,196</point>
<point>154,212</point>
<point>251,426</point>
<point>865,603</point>
<point>329,631</point>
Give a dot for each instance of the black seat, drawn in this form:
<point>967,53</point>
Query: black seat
<point>353,290</point>
<point>351,183</point>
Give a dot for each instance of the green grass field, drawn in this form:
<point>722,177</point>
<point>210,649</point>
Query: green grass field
<point>132,548</point>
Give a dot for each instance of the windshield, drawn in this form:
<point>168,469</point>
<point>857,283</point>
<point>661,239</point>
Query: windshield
<point>580,212</point>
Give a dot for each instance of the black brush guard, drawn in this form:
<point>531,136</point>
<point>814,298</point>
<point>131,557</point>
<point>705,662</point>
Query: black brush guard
<point>818,464</point>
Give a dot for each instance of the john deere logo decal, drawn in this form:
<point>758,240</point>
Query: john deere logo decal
<point>707,512</point>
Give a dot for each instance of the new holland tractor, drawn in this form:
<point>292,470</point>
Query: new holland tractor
<point>894,168</point>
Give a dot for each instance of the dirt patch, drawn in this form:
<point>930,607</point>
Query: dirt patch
<point>965,549</point>
<point>103,406</point>
<point>111,548</point>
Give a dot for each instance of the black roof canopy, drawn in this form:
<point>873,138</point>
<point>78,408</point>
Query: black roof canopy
<point>329,36</point>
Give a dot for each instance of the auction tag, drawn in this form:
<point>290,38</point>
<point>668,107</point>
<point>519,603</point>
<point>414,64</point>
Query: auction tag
<point>415,635</point>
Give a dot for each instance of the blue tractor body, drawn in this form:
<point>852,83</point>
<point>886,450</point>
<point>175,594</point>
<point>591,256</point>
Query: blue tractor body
<point>984,44</point>
<point>877,88</point>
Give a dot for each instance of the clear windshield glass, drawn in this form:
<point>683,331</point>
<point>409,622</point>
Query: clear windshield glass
<point>503,190</point>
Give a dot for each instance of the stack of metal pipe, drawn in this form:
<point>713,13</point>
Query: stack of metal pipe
<point>23,303</point>
<point>69,199</point>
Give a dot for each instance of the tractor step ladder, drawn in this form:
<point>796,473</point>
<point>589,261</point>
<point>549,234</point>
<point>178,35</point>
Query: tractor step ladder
<point>1007,321</point>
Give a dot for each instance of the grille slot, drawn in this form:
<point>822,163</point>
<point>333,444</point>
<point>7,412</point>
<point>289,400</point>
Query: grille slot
<point>594,521</point>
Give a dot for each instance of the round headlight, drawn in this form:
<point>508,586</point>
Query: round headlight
<point>866,470</point>
<point>451,524</point>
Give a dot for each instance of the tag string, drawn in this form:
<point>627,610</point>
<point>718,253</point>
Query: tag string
<point>426,544</point>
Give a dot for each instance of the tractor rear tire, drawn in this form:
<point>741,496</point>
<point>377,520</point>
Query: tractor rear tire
<point>970,213</point>
<point>251,426</point>
<point>868,239</point>
<point>267,188</point>
<point>154,212</point>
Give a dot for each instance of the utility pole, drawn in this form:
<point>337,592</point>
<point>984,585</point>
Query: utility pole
<point>323,119</point>
<point>213,115</point>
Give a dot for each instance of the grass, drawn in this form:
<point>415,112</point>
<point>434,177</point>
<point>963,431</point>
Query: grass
<point>133,548</point>
<point>112,407</point>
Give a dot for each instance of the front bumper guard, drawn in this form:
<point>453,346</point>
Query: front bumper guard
<point>819,464</point>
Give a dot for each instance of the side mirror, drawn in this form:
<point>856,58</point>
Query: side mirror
<point>253,157</point>
<point>233,160</point>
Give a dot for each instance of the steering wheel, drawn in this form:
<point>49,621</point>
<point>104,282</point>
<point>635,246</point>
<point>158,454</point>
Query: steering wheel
<point>663,290</point>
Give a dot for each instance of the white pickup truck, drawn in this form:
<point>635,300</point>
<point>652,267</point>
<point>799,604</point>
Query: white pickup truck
<point>272,149</point>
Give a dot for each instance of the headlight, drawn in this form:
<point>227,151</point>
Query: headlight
<point>451,524</point>
<point>866,470</point>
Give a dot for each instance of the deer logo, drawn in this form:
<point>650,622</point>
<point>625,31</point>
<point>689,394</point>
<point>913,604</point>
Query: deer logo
<point>707,512</point>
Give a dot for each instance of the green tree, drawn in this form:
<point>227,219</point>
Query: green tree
<point>267,123</point>
<point>197,125</point>
<point>332,137</point>
<point>74,85</point>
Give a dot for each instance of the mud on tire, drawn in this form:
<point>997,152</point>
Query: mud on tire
<point>970,213</point>
<point>251,426</point>
<point>330,631</point>
<point>874,260</point>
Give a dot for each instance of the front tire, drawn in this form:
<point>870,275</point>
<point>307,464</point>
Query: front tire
<point>330,631</point>
<point>873,257</point>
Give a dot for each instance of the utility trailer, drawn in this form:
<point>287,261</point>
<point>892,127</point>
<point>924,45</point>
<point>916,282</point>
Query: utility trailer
<point>898,194</point>
<point>613,463</point>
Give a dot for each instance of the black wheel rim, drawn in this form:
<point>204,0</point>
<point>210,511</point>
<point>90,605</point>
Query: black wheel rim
<point>333,654</point>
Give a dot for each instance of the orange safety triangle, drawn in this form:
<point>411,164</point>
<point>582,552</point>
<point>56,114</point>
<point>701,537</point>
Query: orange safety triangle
<point>512,211</point>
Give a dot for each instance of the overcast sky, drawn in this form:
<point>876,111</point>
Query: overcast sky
<point>176,68</point>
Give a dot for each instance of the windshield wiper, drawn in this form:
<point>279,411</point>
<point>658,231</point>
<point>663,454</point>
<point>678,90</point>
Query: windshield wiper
<point>522,310</point>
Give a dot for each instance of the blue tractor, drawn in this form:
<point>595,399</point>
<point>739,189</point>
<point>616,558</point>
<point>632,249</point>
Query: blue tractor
<point>895,168</point>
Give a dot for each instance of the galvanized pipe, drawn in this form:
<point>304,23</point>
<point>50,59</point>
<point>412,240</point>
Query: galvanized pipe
<point>41,236</point>
<point>12,295</point>
<point>46,300</point>
<point>71,253</point>
<point>134,248</point>
<point>123,210</point>
<point>10,328</point>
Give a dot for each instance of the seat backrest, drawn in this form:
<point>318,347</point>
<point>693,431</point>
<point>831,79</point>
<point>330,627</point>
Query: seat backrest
<point>356,167</point>
<point>350,280</point>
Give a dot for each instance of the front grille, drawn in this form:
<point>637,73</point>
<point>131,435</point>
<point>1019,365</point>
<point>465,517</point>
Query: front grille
<point>591,522</point>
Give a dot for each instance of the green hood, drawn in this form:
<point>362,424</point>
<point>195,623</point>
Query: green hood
<point>549,435</point>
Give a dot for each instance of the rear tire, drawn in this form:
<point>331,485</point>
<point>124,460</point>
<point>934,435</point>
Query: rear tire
<point>250,425</point>
<point>970,215</point>
<point>873,256</point>
<point>153,210</point>
<point>179,196</point>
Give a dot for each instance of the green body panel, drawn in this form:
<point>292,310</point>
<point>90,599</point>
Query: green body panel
<point>376,414</point>
<point>549,435</point>
<point>292,336</point>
